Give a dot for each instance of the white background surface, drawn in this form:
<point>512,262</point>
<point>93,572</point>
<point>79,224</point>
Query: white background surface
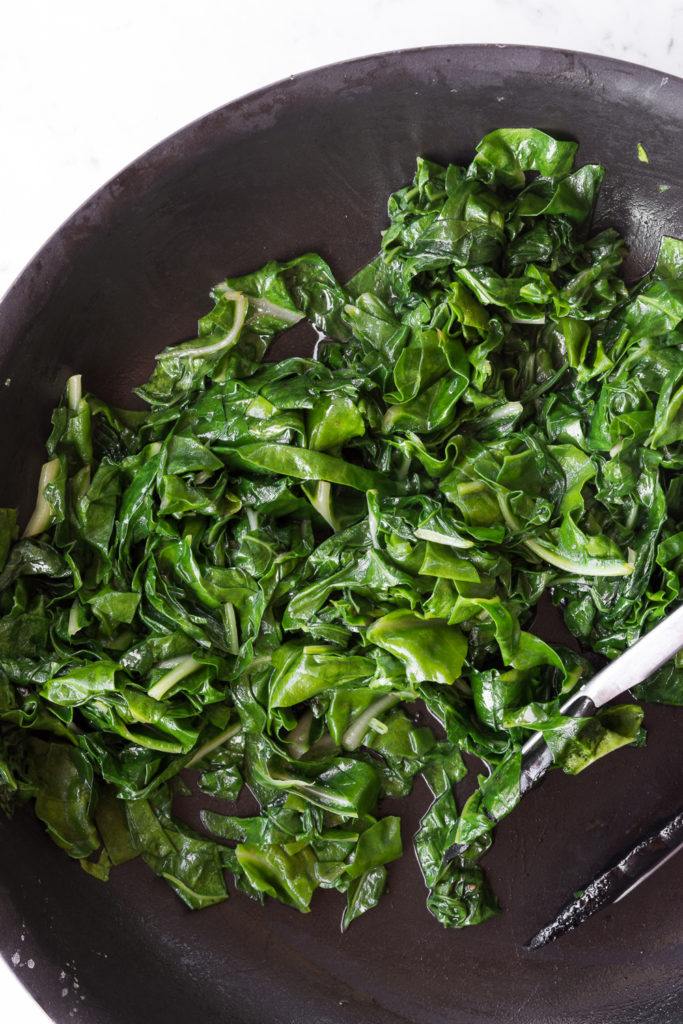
<point>86,87</point>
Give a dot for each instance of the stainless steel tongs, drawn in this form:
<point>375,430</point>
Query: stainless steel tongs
<point>658,845</point>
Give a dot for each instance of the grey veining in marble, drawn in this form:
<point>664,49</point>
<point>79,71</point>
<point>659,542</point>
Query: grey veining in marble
<point>84,89</point>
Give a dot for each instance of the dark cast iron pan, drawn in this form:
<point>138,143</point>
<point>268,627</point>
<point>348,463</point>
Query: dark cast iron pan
<point>307,165</point>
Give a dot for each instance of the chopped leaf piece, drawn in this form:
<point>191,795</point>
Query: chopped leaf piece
<point>269,585</point>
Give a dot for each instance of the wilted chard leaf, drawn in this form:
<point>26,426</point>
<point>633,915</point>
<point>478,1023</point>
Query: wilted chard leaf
<point>257,578</point>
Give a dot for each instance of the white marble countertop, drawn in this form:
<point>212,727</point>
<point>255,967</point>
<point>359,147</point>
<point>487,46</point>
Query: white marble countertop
<point>85,88</point>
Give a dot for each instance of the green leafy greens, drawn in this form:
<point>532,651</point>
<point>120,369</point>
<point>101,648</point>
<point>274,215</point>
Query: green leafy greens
<point>262,576</point>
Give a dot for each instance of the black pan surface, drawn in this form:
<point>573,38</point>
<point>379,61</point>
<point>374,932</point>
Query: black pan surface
<point>307,165</point>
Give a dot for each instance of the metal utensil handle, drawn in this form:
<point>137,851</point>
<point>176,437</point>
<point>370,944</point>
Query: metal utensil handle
<point>536,756</point>
<point>657,846</point>
<point>652,852</point>
<point>632,667</point>
<point>638,662</point>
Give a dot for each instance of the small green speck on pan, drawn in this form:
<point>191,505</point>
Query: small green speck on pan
<point>642,155</point>
<point>664,188</point>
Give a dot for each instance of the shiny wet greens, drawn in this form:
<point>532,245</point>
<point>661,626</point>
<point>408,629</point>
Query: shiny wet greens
<point>264,576</point>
